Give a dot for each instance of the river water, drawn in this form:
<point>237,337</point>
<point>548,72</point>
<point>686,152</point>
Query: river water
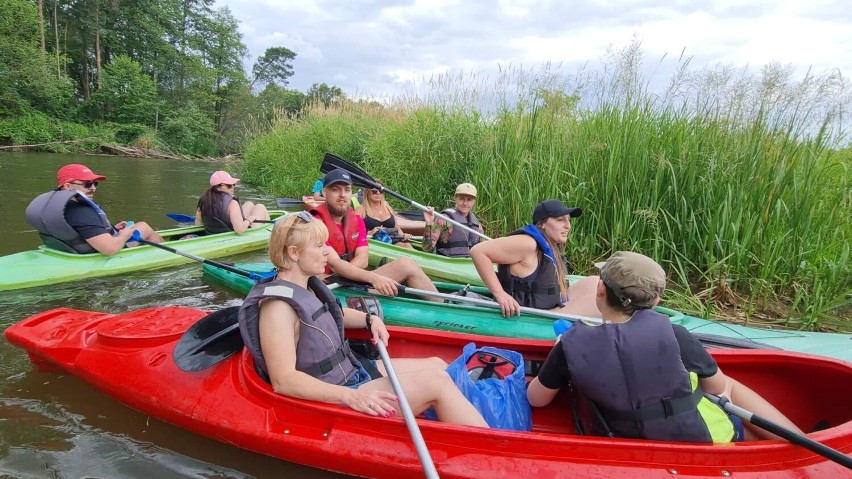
<point>54,426</point>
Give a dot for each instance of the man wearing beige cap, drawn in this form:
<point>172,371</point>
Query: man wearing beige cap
<point>442,237</point>
<point>68,219</point>
<point>645,375</point>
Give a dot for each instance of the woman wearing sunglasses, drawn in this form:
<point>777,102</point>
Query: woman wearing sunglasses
<point>378,215</point>
<point>294,329</point>
<point>220,211</point>
<point>68,219</point>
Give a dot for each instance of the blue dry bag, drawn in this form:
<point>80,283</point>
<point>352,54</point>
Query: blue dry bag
<point>499,390</point>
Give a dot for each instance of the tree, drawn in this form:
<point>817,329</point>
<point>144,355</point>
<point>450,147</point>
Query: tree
<point>325,94</point>
<point>127,94</point>
<point>274,100</point>
<point>274,66</point>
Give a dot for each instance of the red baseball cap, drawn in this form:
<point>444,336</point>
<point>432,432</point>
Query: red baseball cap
<point>75,171</point>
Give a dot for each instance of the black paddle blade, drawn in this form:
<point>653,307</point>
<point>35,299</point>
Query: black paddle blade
<point>359,177</point>
<point>289,203</point>
<point>209,341</point>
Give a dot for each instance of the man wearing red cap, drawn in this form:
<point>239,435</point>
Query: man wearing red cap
<point>68,219</point>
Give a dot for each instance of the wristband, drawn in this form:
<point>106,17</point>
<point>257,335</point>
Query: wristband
<point>369,321</point>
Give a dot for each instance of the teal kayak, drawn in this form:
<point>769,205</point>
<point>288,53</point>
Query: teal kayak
<point>45,265</point>
<point>406,310</point>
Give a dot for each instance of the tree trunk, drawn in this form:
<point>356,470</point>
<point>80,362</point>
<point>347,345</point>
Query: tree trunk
<point>41,25</point>
<point>56,34</point>
<point>98,44</point>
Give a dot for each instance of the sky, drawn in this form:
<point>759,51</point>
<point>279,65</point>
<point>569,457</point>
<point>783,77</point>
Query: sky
<point>374,48</point>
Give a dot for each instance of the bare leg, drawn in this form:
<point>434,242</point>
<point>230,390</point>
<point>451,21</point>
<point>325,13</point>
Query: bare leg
<point>256,211</point>
<point>581,298</point>
<point>744,397</point>
<point>409,273</point>
<point>403,244</point>
<point>148,233</point>
<point>431,387</point>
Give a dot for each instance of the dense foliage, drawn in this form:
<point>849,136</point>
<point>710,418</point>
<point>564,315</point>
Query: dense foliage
<point>736,183</point>
<point>170,71</point>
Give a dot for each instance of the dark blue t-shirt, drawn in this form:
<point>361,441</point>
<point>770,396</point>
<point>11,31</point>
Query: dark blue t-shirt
<point>85,220</point>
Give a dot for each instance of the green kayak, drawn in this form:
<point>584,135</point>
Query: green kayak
<point>411,311</point>
<point>45,265</point>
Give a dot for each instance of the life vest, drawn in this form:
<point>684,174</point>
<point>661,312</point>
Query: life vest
<point>343,242</point>
<point>46,213</point>
<point>634,374</point>
<point>214,224</point>
<point>321,351</point>
<point>460,241</point>
<point>540,289</point>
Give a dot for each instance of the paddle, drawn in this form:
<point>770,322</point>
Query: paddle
<point>289,203</point>
<point>181,218</point>
<point>416,436</point>
<point>361,178</point>
<point>778,430</point>
<point>217,264</point>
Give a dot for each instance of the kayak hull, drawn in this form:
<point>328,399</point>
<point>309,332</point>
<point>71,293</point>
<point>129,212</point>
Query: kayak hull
<point>45,265</point>
<point>413,312</point>
<point>129,357</point>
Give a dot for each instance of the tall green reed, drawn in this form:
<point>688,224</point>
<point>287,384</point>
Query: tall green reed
<point>732,181</point>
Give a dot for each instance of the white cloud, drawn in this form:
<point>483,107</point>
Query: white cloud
<point>380,47</point>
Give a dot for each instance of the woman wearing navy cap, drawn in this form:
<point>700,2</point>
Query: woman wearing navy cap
<point>531,266</point>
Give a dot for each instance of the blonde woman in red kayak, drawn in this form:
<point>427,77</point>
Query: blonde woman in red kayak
<point>294,329</point>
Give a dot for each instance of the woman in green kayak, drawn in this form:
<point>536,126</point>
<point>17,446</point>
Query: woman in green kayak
<point>531,266</point>
<point>219,210</point>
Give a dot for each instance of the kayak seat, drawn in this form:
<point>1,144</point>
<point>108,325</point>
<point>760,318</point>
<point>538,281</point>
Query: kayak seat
<point>57,244</point>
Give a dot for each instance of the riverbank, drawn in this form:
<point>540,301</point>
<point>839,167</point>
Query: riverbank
<point>741,197</point>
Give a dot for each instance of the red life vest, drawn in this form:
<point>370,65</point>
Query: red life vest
<point>343,241</point>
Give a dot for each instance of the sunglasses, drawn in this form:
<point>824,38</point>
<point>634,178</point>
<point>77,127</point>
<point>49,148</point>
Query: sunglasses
<point>86,184</point>
<point>305,216</point>
<point>226,185</point>
<point>376,191</point>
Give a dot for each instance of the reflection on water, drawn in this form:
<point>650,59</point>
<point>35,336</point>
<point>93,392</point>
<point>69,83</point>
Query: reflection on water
<point>56,426</point>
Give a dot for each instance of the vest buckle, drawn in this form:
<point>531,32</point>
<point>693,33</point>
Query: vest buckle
<point>667,407</point>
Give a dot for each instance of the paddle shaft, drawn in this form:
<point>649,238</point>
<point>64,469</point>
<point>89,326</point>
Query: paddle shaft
<point>781,431</point>
<point>200,259</point>
<point>493,305</point>
<point>422,452</point>
<point>182,218</point>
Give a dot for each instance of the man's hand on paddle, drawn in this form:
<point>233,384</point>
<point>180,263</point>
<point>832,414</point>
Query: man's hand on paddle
<point>384,285</point>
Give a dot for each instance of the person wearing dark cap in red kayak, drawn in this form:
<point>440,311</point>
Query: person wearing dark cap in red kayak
<point>67,217</point>
<point>531,266</point>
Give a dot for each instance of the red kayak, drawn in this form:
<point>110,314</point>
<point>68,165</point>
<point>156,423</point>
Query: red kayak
<point>133,357</point>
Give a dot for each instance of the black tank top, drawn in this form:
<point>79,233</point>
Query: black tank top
<point>371,222</point>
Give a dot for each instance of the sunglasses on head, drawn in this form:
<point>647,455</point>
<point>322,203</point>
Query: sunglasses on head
<point>305,216</point>
<point>86,184</point>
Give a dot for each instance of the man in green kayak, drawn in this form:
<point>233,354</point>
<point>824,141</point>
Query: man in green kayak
<point>348,239</point>
<point>67,218</point>
<point>443,237</point>
<point>645,375</point>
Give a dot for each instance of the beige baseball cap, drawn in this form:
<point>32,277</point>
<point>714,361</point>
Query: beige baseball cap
<point>466,189</point>
<point>626,270</point>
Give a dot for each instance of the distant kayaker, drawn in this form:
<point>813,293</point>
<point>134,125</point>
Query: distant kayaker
<point>644,374</point>
<point>379,215</point>
<point>220,211</point>
<point>67,218</point>
<point>348,240</point>
<point>531,266</point>
<point>294,329</point>
<point>445,238</point>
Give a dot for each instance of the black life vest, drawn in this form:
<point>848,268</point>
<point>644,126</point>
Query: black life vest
<point>219,223</point>
<point>46,213</point>
<point>322,350</point>
<point>542,291</point>
<point>460,241</point>
<point>634,374</point>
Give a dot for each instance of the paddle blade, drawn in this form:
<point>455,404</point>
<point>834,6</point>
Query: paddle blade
<point>359,177</point>
<point>181,218</point>
<point>209,341</point>
<point>288,203</point>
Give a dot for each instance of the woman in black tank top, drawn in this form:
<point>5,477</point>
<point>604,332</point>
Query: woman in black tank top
<point>378,214</point>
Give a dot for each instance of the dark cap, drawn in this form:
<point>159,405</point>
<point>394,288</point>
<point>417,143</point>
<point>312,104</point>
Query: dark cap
<point>336,176</point>
<point>553,209</point>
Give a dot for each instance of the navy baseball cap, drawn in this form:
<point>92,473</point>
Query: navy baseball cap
<point>553,209</point>
<point>336,176</point>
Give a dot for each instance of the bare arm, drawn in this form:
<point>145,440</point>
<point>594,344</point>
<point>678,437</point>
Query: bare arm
<point>235,213</point>
<point>198,221</point>
<point>382,284</point>
<point>109,244</point>
<point>508,250</point>
<point>361,257</point>
<point>538,395</point>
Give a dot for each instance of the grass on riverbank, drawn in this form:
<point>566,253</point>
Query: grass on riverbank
<point>732,182</point>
